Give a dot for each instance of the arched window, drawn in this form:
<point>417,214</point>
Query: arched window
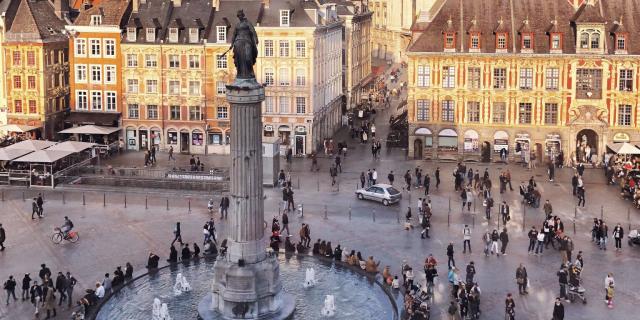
<point>590,39</point>
<point>584,40</point>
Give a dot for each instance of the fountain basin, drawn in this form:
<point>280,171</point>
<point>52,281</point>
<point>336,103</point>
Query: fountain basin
<point>356,295</point>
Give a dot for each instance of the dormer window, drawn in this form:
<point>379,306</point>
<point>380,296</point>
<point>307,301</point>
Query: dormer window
<point>449,40</point>
<point>173,34</point>
<point>193,35</point>
<point>96,20</point>
<point>621,42</point>
<point>221,34</point>
<point>151,35</point>
<point>474,41</point>
<point>556,42</point>
<point>501,41</point>
<point>589,39</point>
<point>527,42</point>
<point>284,18</point>
<point>131,34</point>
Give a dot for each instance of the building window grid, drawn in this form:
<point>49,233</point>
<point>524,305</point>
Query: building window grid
<point>526,78</point>
<point>31,82</point>
<point>174,61</point>
<point>221,34</point>
<point>524,113</point>
<point>32,107</point>
<point>194,62</point>
<point>424,76</point>
<point>500,78</point>
<point>301,49</point>
<point>17,106</point>
<point>195,113</point>
<point>174,87</point>
<point>194,87</point>
<point>151,60</point>
<point>625,82</point>
<point>268,48</point>
<point>111,99</point>
<point>269,104</point>
<point>620,42</point>
<point>284,48</point>
<point>221,61</point>
<point>133,111</point>
<point>94,46</point>
<point>422,110</point>
<point>174,112</point>
<point>624,115</point>
<point>589,83</point>
<point>109,48</point>
<point>555,42</point>
<point>499,112</point>
<point>96,100</point>
<point>301,78</point>
<point>31,58</point>
<point>448,110</point>
<point>132,60</point>
<point>222,112</point>
<point>82,102</point>
<point>132,85</point>
<point>80,47</point>
<point>474,78</point>
<point>448,77</point>
<point>17,82</point>
<point>151,86</point>
<point>284,105</point>
<point>283,77</point>
<point>552,79</point>
<point>109,74</point>
<point>269,77</point>
<point>551,114</point>
<point>301,105</point>
<point>221,88</point>
<point>96,73</point>
<point>526,41</point>
<point>152,112</point>
<point>473,111</point>
<point>501,42</point>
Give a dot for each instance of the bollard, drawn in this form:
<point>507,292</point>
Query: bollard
<point>2,195</point>
<point>524,215</point>
<point>83,200</point>
<point>318,183</point>
<point>167,204</point>
<point>104,199</point>
<point>449,204</point>
<point>338,185</point>
<point>125,200</point>
<point>189,204</point>
<point>449,219</point>
<point>349,213</point>
<point>63,200</point>
<point>298,182</point>
<point>575,212</point>
<point>474,221</point>
<point>398,216</point>
<point>146,201</point>
<point>574,227</point>
<point>601,212</point>
<point>302,210</point>
<point>374,215</point>
<point>629,218</point>
<point>23,199</point>
<point>474,207</point>
<point>325,212</point>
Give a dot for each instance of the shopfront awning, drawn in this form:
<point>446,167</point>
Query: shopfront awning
<point>94,118</point>
<point>44,156</point>
<point>91,129</point>
<point>623,148</point>
<point>31,145</point>
<point>73,146</point>
<point>21,128</point>
<point>10,154</point>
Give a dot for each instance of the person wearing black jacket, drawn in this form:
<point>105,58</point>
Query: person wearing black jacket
<point>224,207</point>
<point>71,282</point>
<point>563,280</point>
<point>285,223</point>
<point>3,237</point>
<point>186,252</point>
<point>504,240</point>
<point>10,288</point>
<point>176,232</point>
<point>152,261</point>
<point>61,287</point>
<point>44,272</point>
<point>618,235</point>
<point>533,237</point>
<point>471,272</point>
<point>558,310</point>
<point>26,283</point>
<point>173,254</point>
<point>450,262</point>
<point>574,183</point>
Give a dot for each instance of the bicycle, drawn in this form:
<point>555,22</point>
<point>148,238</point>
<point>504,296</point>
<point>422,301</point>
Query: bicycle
<point>58,236</point>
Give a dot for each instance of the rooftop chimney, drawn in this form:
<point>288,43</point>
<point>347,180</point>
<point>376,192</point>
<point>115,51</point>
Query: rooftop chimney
<point>136,5</point>
<point>266,3</point>
<point>216,4</point>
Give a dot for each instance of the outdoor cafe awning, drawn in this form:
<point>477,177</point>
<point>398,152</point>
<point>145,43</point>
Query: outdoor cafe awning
<point>624,148</point>
<point>91,129</point>
<point>31,145</point>
<point>73,146</point>
<point>10,154</point>
<point>17,128</point>
<point>44,156</point>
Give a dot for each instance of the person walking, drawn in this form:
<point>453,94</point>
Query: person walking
<point>224,207</point>
<point>35,211</point>
<point>547,208</point>
<point>494,242</point>
<point>362,179</point>
<point>290,204</point>
<point>40,203</point>
<point>333,172</point>
<point>487,208</point>
<point>391,177</point>
<point>177,234</point>
<point>425,223</point>
<point>407,179</point>
<point>505,212</point>
<point>10,288</point>
<point>49,301</point>
<point>171,157</point>
<point>609,282</point>
<point>551,170</point>
<point>26,284</point>
<point>522,279</point>
<point>61,287</point>
<point>604,235</point>
<point>471,272</point>
<point>107,284</point>
<point>533,236</point>
<point>574,183</point>
<point>426,184</point>
<point>510,308</point>
<point>540,242</point>
<point>504,240</point>
<point>558,310</point>
<point>610,292</point>
<point>338,163</point>
<point>487,242</point>
<point>450,261</point>
<point>71,282</point>
<point>3,237</point>
<point>466,239</point>
<point>563,281</point>
<point>374,176</point>
<point>285,223</point>
<point>581,197</point>
<point>437,176</point>
<point>618,235</point>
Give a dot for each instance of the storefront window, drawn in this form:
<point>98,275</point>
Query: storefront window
<point>448,140</point>
<point>155,137</point>
<point>214,138</point>
<point>196,138</point>
<point>471,143</point>
<point>172,137</point>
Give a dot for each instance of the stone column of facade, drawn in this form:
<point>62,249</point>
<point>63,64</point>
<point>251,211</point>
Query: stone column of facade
<point>246,282</point>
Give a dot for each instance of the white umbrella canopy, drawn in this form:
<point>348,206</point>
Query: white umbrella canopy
<point>10,154</point>
<point>31,145</point>
<point>73,146</point>
<point>44,156</point>
<point>624,148</point>
<point>90,129</point>
<point>17,128</point>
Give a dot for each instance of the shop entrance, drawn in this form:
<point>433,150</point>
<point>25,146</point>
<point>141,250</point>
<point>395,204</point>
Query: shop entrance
<point>417,149</point>
<point>184,142</point>
<point>586,146</point>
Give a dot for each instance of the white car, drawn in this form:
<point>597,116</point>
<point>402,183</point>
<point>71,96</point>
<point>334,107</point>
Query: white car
<point>384,193</point>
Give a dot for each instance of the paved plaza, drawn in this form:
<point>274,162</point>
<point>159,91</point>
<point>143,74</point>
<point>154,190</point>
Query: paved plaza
<point>113,233</point>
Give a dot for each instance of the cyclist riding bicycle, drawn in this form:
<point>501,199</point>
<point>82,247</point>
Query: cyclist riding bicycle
<point>66,227</point>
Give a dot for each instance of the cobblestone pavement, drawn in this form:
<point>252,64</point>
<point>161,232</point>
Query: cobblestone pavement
<point>111,235</point>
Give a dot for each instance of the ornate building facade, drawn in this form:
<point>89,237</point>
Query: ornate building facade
<point>523,78</point>
<point>96,63</point>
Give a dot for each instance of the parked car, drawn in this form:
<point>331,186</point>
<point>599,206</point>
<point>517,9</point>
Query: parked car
<point>384,193</point>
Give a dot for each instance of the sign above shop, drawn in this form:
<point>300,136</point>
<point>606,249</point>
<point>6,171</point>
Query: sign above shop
<point>268,127</point>
<point>553,136</point>
<point>621,137</point>
<point>301,129</point>
<point>522,136</point>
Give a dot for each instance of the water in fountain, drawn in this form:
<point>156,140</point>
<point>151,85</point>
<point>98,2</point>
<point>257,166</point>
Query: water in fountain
<point>329,308</point>
<point>310,278</point>
<point>156,309</point>
<point>181,285</point>
<point>164,312</point>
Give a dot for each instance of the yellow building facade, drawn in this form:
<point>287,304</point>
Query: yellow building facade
<point>540,92</point>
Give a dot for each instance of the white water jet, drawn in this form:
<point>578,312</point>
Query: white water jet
<point>329,308</point>
<point>310,278</point>
<point>156,309</point>
<point>164,312</point>
<point>181,285</point>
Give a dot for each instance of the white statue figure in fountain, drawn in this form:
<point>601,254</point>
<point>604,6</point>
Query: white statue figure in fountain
<point>310,278</point>
<point>329,308</point>
<point>181,285</point>
<point>160,310</point>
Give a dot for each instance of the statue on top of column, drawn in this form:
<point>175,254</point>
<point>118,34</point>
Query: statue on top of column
<point>245,47</point>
